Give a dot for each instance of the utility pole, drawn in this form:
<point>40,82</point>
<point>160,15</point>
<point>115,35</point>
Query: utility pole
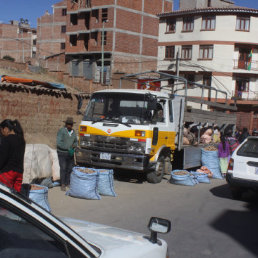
<point>177,63</point>
<point>102,52</point>
<point>177,67</point>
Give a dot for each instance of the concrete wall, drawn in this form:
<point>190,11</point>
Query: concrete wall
<point>195,4</point>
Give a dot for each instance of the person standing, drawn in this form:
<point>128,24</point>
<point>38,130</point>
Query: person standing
<point>12,149</point>
<point>66,143</point>
<point>224,154</point>
<point>244,135</point>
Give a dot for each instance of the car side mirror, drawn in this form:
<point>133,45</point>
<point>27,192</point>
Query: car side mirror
<point>158,225</point>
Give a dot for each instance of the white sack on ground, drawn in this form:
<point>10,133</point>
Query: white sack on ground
<point>40,161</point>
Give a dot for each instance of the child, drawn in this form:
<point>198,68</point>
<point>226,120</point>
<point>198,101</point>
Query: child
<point>224,154</point>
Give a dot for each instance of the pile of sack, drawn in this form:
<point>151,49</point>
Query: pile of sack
<point>210,161</point>
<point>183,177</point>
<point>90,183</point>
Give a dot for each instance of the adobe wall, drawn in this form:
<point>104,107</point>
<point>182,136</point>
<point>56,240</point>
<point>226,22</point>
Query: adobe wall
<point>41,114</point>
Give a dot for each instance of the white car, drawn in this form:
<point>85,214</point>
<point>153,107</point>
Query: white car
<point>242,173</point>
<point>27,230</point>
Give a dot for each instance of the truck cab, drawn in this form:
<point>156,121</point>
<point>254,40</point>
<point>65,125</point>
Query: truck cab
<point>129,129</point>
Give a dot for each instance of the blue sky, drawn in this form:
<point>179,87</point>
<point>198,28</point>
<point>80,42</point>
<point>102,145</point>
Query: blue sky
<point>32,9</point>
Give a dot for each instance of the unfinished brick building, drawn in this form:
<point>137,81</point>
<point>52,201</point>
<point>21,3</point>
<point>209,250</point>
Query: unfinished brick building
<point>17,40</point>
<point>51,36</point>
<point>130,36</point>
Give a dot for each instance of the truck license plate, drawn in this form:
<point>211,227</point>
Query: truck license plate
<point>105,156</point>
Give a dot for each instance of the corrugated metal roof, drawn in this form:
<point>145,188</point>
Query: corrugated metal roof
<point>228,10</point>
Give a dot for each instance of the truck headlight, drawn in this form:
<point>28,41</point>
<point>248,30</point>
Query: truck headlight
<point>85,141</point>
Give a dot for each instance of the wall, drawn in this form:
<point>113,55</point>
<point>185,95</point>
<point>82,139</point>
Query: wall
<point>41,114</point>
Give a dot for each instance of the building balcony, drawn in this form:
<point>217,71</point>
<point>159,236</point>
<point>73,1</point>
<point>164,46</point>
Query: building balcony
<point>245,65</point>
<point>245,95</point>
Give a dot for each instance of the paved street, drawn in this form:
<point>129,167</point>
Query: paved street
<point>206,222</point>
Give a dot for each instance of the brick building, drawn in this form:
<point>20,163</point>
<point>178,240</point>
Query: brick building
<point>17,40</point>
<point>51,36</point>
<point>129,30</point>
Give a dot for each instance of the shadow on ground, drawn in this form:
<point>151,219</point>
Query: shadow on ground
<point>223,191</point>
<point>130,176</point>
<point>242,226</point>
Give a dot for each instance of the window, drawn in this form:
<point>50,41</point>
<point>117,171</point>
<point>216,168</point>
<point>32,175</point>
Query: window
<point>73,40</point>
<point>62,45</point>
<point>170,52</point>
<point>206,80</point>
<point>104,37</point>
<point>186,52</point>
<point>104,14</point>
<point>24,238</point>
<point>34,42</point>
<point>190,80</point>
<point>94,36</point>
<point>188,24</point>
<point>88,3</point>
<point>206,52</point>
<point>95,13</point>
<point>64,12</point>
<point>242,85</point>
<point>171,26</point>
<point>243,23</point>
<point>209,3</point>
<point>63,29</point>
<point>244,58</point>
<point>33,54</point>
<point>74,19</point>
<point>208,23</point>
<point>249,149</point>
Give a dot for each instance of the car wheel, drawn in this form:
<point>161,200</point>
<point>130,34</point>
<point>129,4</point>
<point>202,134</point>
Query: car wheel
<point>162,167</point>
<point>236,193</point>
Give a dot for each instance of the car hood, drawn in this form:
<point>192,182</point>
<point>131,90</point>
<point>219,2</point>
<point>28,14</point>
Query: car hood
<point>115,242</point>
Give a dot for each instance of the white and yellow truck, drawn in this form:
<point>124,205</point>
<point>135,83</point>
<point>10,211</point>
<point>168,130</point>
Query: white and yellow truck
<point>141,129</point>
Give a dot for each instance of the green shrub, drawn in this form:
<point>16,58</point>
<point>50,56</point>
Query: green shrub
<point>9,58</point>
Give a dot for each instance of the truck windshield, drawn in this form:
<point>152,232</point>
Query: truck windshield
<point>118,107</point>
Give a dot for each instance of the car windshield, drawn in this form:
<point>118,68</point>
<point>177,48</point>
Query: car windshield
<point>249,148</point>
<point>124,108</point>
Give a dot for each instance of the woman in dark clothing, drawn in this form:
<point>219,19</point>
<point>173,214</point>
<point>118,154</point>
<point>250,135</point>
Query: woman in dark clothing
<point>12,150</point>
<point>244,135</point>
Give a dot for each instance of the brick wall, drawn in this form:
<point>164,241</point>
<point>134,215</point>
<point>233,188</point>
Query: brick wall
<point>40,115</point>
<point>15,43</point>
<point>49,34</point>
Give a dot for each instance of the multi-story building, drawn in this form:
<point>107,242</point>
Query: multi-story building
<point>51,36</point>
<point>216,47</point>
<point>18,41</point>
<point>112,36</point>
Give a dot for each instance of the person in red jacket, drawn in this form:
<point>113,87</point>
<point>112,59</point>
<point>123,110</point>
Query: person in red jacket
<point>12,149</point>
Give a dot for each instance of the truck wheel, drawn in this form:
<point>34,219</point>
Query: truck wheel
<point>156,175</point>
<point>236,193</point>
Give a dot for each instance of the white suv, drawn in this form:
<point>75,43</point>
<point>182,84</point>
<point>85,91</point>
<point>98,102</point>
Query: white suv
<point>242,171</point>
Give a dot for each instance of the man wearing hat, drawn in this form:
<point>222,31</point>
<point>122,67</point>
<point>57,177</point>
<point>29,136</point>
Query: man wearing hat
<point>66,142</point>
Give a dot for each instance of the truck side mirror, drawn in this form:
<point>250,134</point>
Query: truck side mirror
<point>158,225</point>
<point>152,102</point>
